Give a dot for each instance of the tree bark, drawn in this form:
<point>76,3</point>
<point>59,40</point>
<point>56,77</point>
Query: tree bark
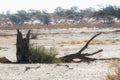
<point>22,46</point>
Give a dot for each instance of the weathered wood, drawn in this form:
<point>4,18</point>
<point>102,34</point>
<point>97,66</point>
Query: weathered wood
<point>22,46</point>
<point>80,55</point>
<point>86,45</point>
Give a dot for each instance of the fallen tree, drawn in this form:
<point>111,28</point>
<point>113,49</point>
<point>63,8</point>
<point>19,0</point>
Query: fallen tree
<point>80,55</point>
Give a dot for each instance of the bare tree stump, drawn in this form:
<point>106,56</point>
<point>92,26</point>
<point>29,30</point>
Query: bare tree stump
<point>22,46</point>
<point>82,56</point>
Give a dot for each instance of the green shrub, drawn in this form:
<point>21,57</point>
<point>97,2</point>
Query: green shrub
<point>42,55</point>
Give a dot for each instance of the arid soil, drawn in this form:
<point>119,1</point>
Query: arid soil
<point>66,41</point>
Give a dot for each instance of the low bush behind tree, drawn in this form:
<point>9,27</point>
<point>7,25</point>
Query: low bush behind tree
<point>39,54</point>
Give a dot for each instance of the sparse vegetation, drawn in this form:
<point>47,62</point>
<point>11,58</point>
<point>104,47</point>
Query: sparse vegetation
<point>116,74</point>
<point>71,42</point>
<point>39,54</point>
<point>60,16</point>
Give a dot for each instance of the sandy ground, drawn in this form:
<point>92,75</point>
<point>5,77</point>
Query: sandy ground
<point>66,41</point>
<point>74,71</point>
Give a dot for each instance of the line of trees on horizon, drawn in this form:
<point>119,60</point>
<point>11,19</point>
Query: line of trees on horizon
<point>22,16</point>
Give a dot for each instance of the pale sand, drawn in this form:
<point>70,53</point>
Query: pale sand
<point>66,41</point>
<point>71,71</point>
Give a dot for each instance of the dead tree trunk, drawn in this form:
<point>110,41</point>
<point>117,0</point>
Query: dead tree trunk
<point>80,55</point>
<point>22,46</point>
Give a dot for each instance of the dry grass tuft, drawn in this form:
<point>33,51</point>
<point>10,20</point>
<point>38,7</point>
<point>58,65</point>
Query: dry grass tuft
<point>72,42</point>
<point>116,74</point>
<point>106,41</point>
<point>5,35</point>
<point>61,45</point>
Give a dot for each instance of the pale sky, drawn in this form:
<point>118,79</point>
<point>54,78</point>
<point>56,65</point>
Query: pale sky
<point>50,5</point>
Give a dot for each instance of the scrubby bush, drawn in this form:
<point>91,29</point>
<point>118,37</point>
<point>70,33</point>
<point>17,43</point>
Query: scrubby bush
<point>42,55</point>
<point>116,74</point>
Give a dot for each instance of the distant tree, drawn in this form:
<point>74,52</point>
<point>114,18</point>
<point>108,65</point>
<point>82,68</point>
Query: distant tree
<point>34,13</point>
<point>15,19</point>
<point>44,17</point>
<point>118,13</point>
<point>7,13</point>
<point>59,11</point>
<point>19,18</point>
<point>23,16</point>
<point>107,14</point>
<point>73,12</point>
<point>87,11</point>
<point>110,10</point>
<point>109,20</point>
<point>69,14</point>
<point>74,8</point>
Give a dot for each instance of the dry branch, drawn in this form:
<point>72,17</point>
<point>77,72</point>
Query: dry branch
<point>86,45</point>
<point>79,55</point>
<point>93,53</point>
